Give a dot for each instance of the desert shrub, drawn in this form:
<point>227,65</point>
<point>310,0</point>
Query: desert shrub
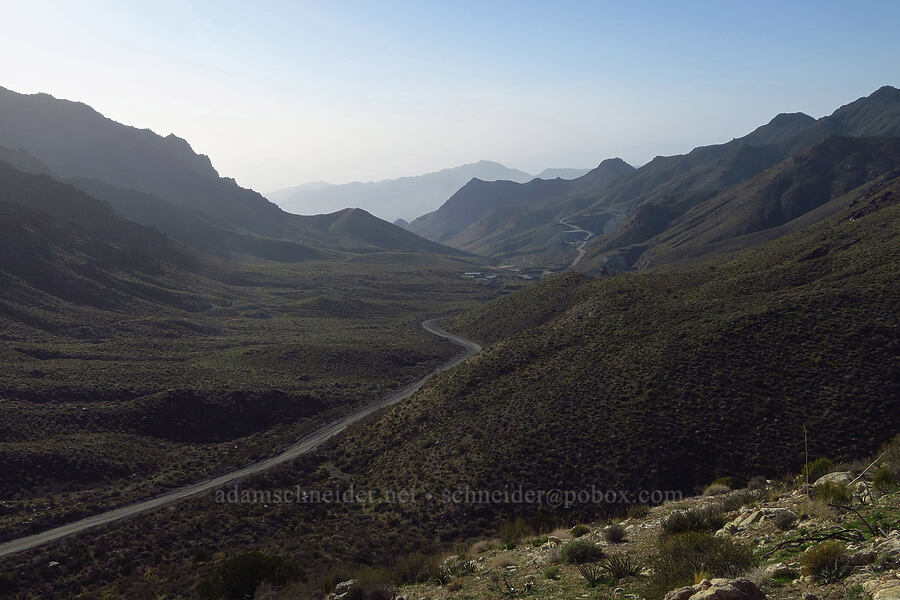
<point>415,568</point>
<point>622,565</point>
<point>579,530</point>
<point>679,557</point>
<point>817,468</point>
<point>730,482</point>
<point>785,520</point>
<point>551,573</point>
<point>237,578</point>
<point>637,511</point>
<point>707,518</point>
<point>739,498</point>
<point>823,556</point>
<point>456,567</point>
<point>884,480</point>
<point>757,483</point>
<point>614,534</point>
<point>833,493</point>
<point>834,573</point>
<point>716,489</point>
<point>592,573</point>
<point>580,552</point>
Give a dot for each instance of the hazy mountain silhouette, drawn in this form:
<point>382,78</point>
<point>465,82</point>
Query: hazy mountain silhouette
<point>161,181</point>
<point>562,173</point>
<point>639,205</point>
<point>478,198</point>
<point>390,199</point>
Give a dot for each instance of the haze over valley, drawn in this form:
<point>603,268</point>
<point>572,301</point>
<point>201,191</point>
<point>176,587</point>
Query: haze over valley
<point>274,327</point>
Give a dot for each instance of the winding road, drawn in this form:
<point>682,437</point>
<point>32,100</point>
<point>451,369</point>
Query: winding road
<point>578,245</point>
<point>305,444</point>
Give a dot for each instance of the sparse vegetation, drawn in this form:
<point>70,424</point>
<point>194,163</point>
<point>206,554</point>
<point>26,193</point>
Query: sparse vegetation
<point>614,534</point>
<point>580,552</point>
<point>579,530</point>
<point>622,565</point>
<point>707,518</point>
<point>679,557</point>
<point>824,557</point>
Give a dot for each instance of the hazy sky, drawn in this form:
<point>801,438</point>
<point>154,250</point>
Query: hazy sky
<point>280,93</point>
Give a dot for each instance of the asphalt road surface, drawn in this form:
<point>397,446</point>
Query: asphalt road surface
<point>304,445</point>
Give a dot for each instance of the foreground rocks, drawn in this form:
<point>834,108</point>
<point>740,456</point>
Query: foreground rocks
<point>718,589</point>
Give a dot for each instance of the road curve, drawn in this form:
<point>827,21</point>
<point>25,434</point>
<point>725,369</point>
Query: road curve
<point>302,446</point>
<point>579,245</point>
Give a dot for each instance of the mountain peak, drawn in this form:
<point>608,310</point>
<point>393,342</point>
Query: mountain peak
<point>886,92</point>
<point>785,120</point>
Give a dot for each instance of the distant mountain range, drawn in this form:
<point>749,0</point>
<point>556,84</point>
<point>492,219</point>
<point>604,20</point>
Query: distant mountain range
<point>162,182</point>
<point>630,211</point>
<point>404,198</point>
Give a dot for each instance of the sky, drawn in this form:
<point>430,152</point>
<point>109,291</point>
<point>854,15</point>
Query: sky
<point>283,93</point>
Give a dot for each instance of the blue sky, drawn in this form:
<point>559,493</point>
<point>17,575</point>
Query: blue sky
<point>280,93</point>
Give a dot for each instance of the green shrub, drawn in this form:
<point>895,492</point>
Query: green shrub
<point>551,573</point>
<point>884,480</point>
<point>415,568</point>
<point>614,534</point>
<point>824,556</point>
<point>580,552</point>
<point>833,493</point>
<point>679,557</point>
<point>579,530</point>
<point>707,518</point>
<point>622,565</point>
<point>237,578</point>
<point>817,468</point>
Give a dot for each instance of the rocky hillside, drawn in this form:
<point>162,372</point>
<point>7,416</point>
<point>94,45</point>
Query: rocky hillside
<point>773,541</point>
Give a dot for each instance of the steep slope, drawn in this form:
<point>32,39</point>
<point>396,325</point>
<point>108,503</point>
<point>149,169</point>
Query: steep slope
<point>197,229</point>
<point>390,199</point>
<point>642,380</point>
<point>58,242</point>
<point>784,198</point>
<point>642,204</point>
<point>76,142</point>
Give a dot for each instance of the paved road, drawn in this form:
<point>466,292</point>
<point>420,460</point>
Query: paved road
<point>578,245</point>
<point>304,445</point>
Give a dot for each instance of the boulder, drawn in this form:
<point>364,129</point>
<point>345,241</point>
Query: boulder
<point>718,589</point>
<point>781,570</point>
<point>836,477</point>
<point>885,588</point>
<point>889,547</point>
<point>860,559</point>
<point>344,587</point>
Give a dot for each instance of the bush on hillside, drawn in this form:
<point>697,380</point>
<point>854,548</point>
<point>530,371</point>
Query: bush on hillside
<point>680,557</point>
<point>706,518</point>
<point>580,552</point>
<point>828,555</point>
<point>614,534</point>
